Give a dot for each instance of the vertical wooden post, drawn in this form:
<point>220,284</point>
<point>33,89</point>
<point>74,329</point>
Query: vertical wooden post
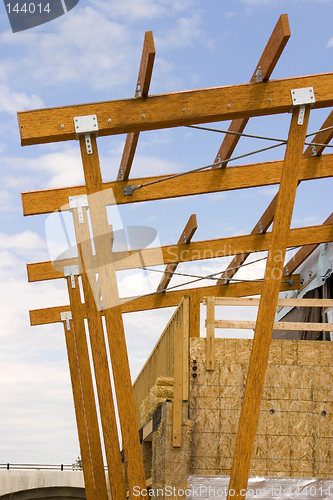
<point>87,390</point>
<point>100,360</point>
<point>178,385</point>
<point>194,315</point>
<point>74,371</point>
<point>113,319</point>
<point>210,334</point>
<point>264,326</point>
<point>186,346</point>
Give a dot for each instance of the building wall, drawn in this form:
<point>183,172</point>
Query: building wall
<point>294,438</point>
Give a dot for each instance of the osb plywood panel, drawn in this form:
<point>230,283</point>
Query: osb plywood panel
<point>295,428</point>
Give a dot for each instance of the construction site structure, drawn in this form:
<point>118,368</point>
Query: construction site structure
<point>237,407</point>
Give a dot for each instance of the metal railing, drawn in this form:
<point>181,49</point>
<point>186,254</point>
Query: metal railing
<point>61,467</point>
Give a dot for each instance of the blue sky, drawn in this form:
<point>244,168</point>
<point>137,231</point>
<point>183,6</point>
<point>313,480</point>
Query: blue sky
<point>93,54</point>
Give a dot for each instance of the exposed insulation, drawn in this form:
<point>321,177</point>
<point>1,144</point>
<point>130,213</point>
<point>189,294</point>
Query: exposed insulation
<point>161,390</point>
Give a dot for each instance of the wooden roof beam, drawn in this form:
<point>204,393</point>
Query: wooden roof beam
<point>173,110</point>
<point>142,89</point>
<point>51,315</point>
<point>188,252</point>
<point>210,181</point>
<point>267,218</point>
<point>248,421</point>
<point>186,237</point>
<point>303,253</point>
<point>267,63</point>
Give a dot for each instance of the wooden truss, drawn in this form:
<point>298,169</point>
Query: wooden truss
<point>131,116</point>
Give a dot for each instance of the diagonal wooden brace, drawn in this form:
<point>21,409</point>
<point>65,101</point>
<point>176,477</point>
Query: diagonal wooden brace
<point>266,314</point>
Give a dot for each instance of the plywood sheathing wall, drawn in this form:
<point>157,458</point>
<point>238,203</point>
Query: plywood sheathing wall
<point>293,437</point>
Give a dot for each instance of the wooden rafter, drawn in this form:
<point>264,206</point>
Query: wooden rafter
<point>145,72</point>
<point>186,237</point>
<point>173,110</point>
<point>169,299</point>
<point>210,181</point>
<point>187,252</point>
<point>74,370</point>
<point>113,320</point>
<point>267,218</point>
<point>303,253</point>
<point>267,63</point>
<point>248,421</point>
<point>100,359</point>
<point>86,385</point>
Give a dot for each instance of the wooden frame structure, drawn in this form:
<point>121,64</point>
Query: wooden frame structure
<point>239,102</point>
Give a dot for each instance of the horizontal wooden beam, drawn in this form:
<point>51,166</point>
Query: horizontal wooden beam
<point>303,253</point>
<point>188,252</point>
<point>173,110</point>
<point>169,299</point>
<point>254,301</point>
<point>210,181</point>
<point>186,237</point>
<point>267,63</point>
<point>279,325</point>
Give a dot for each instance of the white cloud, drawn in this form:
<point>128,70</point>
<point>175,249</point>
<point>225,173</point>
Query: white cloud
<point>12,102</point>
<point>145,9</point>
<point>86,47</point>
<point>26,243</point>
<point>330,42</point>
<point>183,35</point>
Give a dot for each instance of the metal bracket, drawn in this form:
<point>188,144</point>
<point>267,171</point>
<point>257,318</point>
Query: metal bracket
<point>138,90</point>
<point>78,202</point>
<point>121,175</point>
<point>86,125</point>
<point>260,228</point>
<point>128,190</point>
<point>71,271</point>
<point>66,316</point>
<point>184,237</point>
<point>259,74</point>
<point>302,97</point>
<point>314,150</point>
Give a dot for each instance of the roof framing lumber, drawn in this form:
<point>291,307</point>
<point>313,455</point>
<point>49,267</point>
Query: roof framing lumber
<point>100,363</point>
<point>248,421</point>
<point>82,427</point>
<point>186,237</point>
<point>143,84</point>
<point>88,397</point>
<point>169,299</point>
<point>267,218</point>
<point>210,181</point>
<point>303,253</point>
<point>267,63</point>
<point>187,252</point>
<point>113,319</point>
<point>173,110</point>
